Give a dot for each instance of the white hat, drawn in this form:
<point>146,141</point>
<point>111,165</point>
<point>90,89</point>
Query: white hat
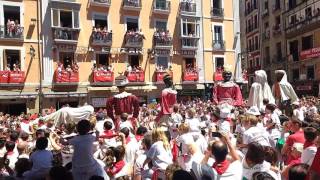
<point>296,103</point>
<point>298,147</point>
<point>254,110</point>
<point>121,81</point>
<point>225,113</point>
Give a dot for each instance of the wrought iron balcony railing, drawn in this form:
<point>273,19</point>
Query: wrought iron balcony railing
<point>11,32</point>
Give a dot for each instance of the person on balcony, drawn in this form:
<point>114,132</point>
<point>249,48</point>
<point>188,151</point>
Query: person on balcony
<point>227,91</point>
<point>123,102</point>
<point>260,90</point>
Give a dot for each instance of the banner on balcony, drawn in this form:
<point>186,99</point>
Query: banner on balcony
<point>310,53</point>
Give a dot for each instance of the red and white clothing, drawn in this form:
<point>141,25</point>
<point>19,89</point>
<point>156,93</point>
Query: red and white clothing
<point>308,153</point>
<point>297,137</point>
<point>227,92</point>
<point>316,163</point>
<point>122,103</point>
<point>168,99</point>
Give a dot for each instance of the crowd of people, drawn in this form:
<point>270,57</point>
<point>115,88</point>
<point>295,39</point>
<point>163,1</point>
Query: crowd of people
<point>14,28</point>
<point>101,33</point>
<point>162,37</point>
<point>103,68</point>
<point>203,141</point>
<point>134,36</point>
<point>68,68</point>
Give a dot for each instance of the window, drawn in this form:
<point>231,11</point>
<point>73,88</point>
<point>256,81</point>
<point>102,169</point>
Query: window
<point>293,19</point>
<point>161,25</point>
<point>217,4</point>
<point>255,4</point>
<point>190,27</point>
<point>266,5</point>
<point>12,60</point>
<point>279,51</point>
<point>67,59</point>
<point>256,39</point>
<point>100,21</point>
<point>310,72</point>
<point>102,60</point>
<point>278,20</point>
<point>266,25</point>
<point>134,61</point>
<point>257,60</point>
<point>292,3</point>
<point>294,50</point>
<point>255,21</point>
<point>295,74</point>
<point>11,21</point>
<point>163,61</point>
<point>65,18</point>
<point>307,42</point>
<point>218,33</point>
<point>251,63</point>
<point>308,12</point>
<point>267,55</point>
<point>132,24</point>
<point>190,63</point>
<point>219,63</point>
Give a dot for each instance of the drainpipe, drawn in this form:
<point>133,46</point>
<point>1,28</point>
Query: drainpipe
<point>203,52</point>
<point>39,18</point>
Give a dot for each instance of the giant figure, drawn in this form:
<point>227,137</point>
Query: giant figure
<point>227,91</point>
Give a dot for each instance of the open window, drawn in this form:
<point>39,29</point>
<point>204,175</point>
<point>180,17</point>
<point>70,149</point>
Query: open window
<point>295,74</point>
<point>12,60</point>
<point>310,72</point>
<point>217,4</point>
<point>294,50</point>
<point>12,21</point>
<point>65,18</point>
<point>190,63</point>
<point>162,63</point>
<point>219,63</point>
<point>190,27</point>
<point>307,42</point>
<point>134,61</point>
<point>100,21</point>
<point>132,24</point>
<point>67,59</point>
<point>102,60</point>
<point>161,25</point>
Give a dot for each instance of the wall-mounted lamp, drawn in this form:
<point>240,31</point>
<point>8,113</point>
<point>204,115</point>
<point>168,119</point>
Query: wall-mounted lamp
<point>33,21</point>
<point>32,51</point>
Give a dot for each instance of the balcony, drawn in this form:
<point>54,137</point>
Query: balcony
<point>134,39</point>
<point>66,77</point>
<point>189,42</point>
<point>266,35</point>
<point>14,33</point>
<point>132,5</point>
<point>277,30</point>
<point>101,38</point>
<point>162,40</point>
<point>135,76</point>
<point>218,45</point>
<point>12,78</point>
<point>65,35</point>
<point>187,8</point>
<point>100,3</point>
<point>161,7</point>
<point>160,75</point>
<point>217,13</point>
<point>303,24</point>
<point>190,75</point>
<point>102,77</point>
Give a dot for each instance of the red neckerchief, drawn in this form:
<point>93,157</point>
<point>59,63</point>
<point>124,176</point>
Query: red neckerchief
<point>221,167</point>
<point>117,166</point>
<point>138,137</point>
<point>108,134</point>
<point>308,144</point>
<point>9,153</point>
<point>128,139</point>
<point>25,121</point>
<point>40,124</point>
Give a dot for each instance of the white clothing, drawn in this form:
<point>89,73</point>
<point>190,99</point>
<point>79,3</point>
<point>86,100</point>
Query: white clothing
<point>197,158</point>
<point>255,134</point>
<point>287,91</point>
<point>125,124</point>
<point>312,110</point>
<point>224,126</point>
<point>161,157</point>
<point>234,172</point>
<point>145,172</point>
<point>308,154</point>
<point>194,124</point>
<point>131,148</point>
<point>299,114</point>
<point>183,141</point>
<point>13,158</point>
<point>99,126</point>
<point>260,90</point>
<point>264,167</point>
<point>25,127</point>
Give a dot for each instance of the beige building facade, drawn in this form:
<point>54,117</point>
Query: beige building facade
<point>85,44</point>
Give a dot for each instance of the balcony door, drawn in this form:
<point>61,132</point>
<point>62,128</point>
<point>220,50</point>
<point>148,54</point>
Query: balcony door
<point>134,61</point>
<point>132,24</point>
<point>102,60</point>
<point>12,60</point>
<point>11,20</point>
<point>190,63</point>
<point>294,50</point>
<point>161,25</point>
<point>65,18</point>
<point>217,4</point>
<point>190,27</point>
<point>67,59</point>
<point>162,63</point>
<point>219,62</point>
<point>100,21</point>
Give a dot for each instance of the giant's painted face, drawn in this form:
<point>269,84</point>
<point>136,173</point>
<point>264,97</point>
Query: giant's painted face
<point>226,76</point>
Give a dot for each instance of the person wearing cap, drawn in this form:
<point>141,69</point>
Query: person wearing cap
<point>283,91</point>
<point>168,99</point>
<point>123,102</point>
<point>227,91</point>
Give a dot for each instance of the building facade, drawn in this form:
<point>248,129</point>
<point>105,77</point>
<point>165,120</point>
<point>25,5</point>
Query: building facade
<point>85,44</point>
<point>20,55</point>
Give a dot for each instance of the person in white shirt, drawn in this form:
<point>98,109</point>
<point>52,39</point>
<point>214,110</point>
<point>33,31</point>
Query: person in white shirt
<point>255,134</point>
<point>140,171</point>
<point>132,146</point>
<point>41,160</point>
<point>184,140</point>
<point>273,124</point>
<point>297,111</point>
<point>313,110</point>
<point>159,153</point>
<point>192,121</point>
<point>176,120</point>
<point>309,147</point>
<point>223,124</point>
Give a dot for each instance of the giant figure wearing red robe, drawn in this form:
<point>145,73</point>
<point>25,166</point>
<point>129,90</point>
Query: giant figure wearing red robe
<point>227,91</point>
<point>123,102</point>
